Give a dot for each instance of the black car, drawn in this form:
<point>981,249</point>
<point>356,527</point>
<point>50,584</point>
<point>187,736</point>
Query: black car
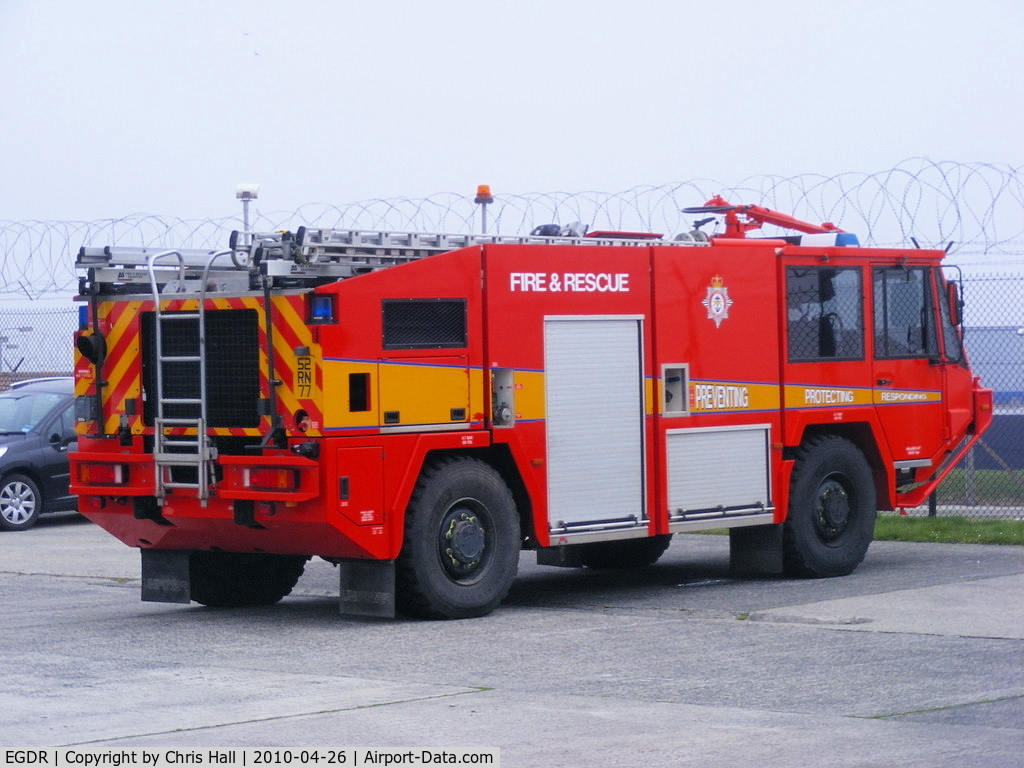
<point>37,426</point>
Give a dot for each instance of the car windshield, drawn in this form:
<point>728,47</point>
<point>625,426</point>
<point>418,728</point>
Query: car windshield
<point>22,411</point>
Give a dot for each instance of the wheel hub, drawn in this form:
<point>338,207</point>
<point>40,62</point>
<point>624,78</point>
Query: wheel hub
<point>468,540</point>
<point>463,541</point>
<point>833,513</point>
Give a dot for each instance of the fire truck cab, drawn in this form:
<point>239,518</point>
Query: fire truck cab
<point>418,409</point>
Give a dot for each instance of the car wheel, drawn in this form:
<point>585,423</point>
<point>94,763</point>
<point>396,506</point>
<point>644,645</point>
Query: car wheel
<point>21,503</point>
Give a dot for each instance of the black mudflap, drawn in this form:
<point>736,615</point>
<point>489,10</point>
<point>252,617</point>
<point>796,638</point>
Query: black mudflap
<point>755,550</point>
<point>562,557</point>
<point>367,588</point>
<point>165,577</point>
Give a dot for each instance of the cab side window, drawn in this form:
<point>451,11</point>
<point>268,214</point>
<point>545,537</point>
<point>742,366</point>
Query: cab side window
<point>823,311</point>
<point>951,342</point>
<point>904,321</point>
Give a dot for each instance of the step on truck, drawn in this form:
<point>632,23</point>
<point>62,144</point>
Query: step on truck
<point>419,408</point>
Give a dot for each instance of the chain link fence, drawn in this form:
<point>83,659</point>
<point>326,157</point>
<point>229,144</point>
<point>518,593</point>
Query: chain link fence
<point>36,342</point>
<point>989,481</point>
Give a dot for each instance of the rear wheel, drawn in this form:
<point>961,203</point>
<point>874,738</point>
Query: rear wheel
<point>831,509</point>
<point>21,503</point>
<point>462,541</point>
<point>235,579</point>
<point>630,553</point>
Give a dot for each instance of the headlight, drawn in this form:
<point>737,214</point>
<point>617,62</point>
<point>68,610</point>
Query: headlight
<point>3,450</point>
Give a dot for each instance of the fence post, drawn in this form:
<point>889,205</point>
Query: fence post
<point>970,481</point>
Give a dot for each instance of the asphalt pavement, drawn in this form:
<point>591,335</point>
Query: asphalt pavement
<point>915,659</point>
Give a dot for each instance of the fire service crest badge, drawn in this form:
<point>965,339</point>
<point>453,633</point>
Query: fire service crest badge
<point>717,301</point>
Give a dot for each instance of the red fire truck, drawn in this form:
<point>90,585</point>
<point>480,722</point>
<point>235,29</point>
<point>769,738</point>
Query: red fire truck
<point>419,408</point>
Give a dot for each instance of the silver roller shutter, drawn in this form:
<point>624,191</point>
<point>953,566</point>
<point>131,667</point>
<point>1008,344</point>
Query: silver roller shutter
<point>595,420</point>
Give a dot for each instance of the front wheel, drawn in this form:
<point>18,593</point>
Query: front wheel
<point>831,509</point>
<point>21,503</point>
<point>462,541</point>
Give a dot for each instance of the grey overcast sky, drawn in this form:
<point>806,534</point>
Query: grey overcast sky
<point>113,107</point>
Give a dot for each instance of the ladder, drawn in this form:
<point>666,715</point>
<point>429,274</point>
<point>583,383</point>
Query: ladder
<point>180,441</point>
<point>307,257</point>
<point>368,250</point>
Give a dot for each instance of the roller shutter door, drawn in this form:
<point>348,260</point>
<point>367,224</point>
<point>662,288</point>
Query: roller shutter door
<point>595,420</point>
<point>718,472</point>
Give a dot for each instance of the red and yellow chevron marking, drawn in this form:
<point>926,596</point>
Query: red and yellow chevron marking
<point>300,375</point>
<point>122,372</point>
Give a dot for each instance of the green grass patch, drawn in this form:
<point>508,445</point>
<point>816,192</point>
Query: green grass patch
<point>940,530</point>
<point>949,530</point>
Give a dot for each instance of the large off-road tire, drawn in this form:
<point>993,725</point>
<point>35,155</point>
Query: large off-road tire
<point>462,542</point>
<point>831,509</point>
<point>630,553</point>
<point>232,579</point>
<point>21,503</point>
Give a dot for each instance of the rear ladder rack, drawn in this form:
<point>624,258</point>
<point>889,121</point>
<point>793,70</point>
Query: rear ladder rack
<point>180,441</point>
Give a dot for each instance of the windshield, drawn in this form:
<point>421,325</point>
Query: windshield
<point>22,411</point>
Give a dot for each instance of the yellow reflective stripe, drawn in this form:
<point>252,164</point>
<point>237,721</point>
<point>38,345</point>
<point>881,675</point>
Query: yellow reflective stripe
<point>906,396</point>
<point>708,396</point>
<point>823,396</point>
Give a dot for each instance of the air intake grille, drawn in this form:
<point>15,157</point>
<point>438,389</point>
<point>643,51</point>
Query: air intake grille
<point>232,367</point>
<point>424,323</point>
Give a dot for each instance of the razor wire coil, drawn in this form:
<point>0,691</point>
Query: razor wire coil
<point>978,207</point>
